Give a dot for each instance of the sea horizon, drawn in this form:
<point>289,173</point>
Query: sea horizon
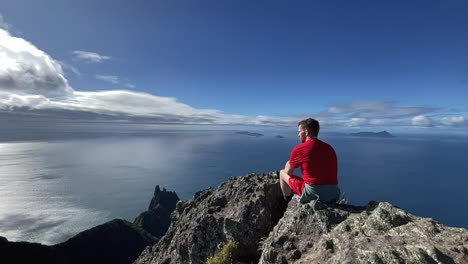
<point>55,185</point>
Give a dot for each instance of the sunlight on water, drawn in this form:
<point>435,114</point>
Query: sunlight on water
<point>33,205</point>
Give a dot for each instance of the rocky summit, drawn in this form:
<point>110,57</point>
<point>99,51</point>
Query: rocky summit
<point>250,211</point>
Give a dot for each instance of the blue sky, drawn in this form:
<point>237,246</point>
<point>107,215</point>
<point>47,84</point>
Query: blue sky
<point>351,64</point>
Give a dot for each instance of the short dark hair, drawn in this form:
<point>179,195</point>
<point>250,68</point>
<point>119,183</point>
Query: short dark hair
<point>311,125</point>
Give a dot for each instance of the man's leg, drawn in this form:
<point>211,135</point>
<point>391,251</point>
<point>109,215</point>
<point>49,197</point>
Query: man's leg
<point>284,183</point>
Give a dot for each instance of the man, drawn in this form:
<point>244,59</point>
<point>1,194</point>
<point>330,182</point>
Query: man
<point>318,164</point>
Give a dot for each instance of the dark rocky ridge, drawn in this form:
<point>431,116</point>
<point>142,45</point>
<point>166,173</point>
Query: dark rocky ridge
<point>117,241</point>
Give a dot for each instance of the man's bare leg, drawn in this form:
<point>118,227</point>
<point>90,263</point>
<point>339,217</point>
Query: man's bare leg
<point>284,183</point>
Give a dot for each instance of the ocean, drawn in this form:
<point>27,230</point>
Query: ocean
<point>58,181</point>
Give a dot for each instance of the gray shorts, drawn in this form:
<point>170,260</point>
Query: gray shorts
<point>324,193</point>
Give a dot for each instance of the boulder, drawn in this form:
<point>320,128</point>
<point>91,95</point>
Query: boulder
<point>376,233</point>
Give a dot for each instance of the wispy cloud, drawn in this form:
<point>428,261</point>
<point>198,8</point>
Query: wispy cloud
<point>375,109</point>
<point>4,24</point>
<point>89,56</point>
<point>114,79</point>
<point>69,67</point>
<point>108,78</point>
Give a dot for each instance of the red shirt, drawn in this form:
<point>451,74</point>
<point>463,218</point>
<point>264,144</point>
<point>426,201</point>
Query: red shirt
<point>317,161</point>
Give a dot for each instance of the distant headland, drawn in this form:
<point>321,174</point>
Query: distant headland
<point>247,133</point>
<point>382,134</point>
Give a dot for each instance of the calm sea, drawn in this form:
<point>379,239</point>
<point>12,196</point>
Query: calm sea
<point>55,183</point>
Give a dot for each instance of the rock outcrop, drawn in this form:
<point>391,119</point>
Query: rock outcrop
<point>243,209</point>
<point>156,219</point>
<point>376,233</point>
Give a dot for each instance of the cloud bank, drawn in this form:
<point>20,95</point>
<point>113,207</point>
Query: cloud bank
<point>32,85</point>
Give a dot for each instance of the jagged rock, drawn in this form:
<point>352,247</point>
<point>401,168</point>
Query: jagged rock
<point>377,233</point>
<point>244,210</point>
<point>156,219</point>
<point>164,198</point>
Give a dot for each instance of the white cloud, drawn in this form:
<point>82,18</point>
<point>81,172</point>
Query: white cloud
<point>90,56</point>
<point>26,69</point>
<point>32,81</point>
<point>453,121</point>
<point>108,78</point>
<point>421,121</point>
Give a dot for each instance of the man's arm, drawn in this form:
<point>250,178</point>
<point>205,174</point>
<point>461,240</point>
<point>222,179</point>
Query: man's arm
<point>288,168</point>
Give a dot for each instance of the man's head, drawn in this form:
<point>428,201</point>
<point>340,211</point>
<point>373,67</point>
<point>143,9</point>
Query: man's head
<point>308,128</point>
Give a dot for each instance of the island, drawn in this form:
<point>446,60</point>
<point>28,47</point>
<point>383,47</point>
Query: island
<point>382,134</point>
<point>279,136</point>
<point>247,133</point>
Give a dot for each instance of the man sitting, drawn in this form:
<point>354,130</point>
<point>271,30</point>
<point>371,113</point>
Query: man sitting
<point>318,164</point>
